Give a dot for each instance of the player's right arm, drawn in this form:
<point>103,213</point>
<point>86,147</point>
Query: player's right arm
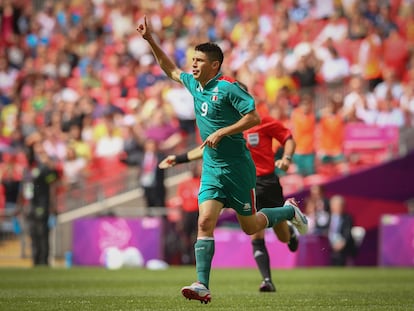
<point>171,160</point>
<point>166,64</point>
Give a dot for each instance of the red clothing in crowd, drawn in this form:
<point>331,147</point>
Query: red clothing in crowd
<point>188,192</point>
<point>260,141</point>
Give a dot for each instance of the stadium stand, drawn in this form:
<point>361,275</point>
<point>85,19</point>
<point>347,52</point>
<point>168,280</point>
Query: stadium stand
<point>72,62</point>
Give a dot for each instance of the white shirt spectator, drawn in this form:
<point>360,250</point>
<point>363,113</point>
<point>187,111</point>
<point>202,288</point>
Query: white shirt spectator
<point>8,77</point>
<point>109,146</point>
<point>73,170</point>
<point>355,99</point>
<point>364,104</point>
<point>322,8</point>
<point>335,69</point>
<point>393,117</point>
<point>182,102</point>
<point>390,114</point>
<point>335,29</point>
<point>382,88</point>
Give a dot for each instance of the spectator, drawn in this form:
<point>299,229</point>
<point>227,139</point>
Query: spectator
<point>335,30</point>
<point>369,58</point>
<point>298,11</point>
<point>9,119</point>
<point>41,190</point>
<point>275,81</point>
<point>340,237</point>
<point>11,177</point>
<point>322,9</point>
<point>320,206</point>
<point>317,221</point>
<point>384,22</point>
<point>54,143</point>
<point>306,72</point>
<point>391,86</point>
<point>371,11</point>
<point>335,69</point>
<point>80,146</point>
<point>8,77</point>
<point>74,170</point>
<point>396,53</point>
<point>303,124</point>
<point>182,104</point>
<point>163,130</point>
<point>133,152</point>
<point>389,113</point>
<point>152,177</point>
<point>111,143</point>
<point>357,24</point>
<point>331,134</point>
<point>359,104</point>
<point>46,19</point>
<point>407,102</point>
<point>407,24</point>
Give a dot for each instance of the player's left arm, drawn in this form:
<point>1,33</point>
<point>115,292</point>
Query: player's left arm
<point>249,120</point>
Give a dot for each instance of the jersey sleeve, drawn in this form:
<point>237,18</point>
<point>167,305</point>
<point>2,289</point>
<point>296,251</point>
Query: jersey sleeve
<point>240,99</point>
<point>188,81</point>
<point>276,129</point>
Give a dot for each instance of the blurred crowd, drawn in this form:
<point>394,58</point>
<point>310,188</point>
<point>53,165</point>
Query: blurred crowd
<point>78,82</point>
<point>330,218</point>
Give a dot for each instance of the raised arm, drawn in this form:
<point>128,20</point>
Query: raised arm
<point>166,64</point>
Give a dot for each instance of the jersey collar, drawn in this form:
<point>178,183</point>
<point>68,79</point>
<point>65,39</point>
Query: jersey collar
<point>218,75</point>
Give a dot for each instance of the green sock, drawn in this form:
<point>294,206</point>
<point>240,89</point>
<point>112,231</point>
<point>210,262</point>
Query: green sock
<point>204,251</point>
<point>276,215</point>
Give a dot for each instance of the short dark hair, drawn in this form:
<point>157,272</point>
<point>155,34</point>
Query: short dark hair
<point>212,50</point>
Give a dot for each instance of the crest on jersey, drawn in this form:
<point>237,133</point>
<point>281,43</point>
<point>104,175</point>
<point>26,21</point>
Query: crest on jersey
<point>214,98</point>
<point>253,139</point>
<point>247,207</point>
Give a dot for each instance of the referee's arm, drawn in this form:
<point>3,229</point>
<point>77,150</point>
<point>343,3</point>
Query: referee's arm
<point>172,160</point>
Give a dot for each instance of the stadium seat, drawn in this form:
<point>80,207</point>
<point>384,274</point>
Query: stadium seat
<point>104,171</point>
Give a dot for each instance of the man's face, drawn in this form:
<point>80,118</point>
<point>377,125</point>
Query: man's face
<point>203,69</point>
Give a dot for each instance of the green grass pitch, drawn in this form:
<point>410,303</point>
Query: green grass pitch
<point>83,289</point>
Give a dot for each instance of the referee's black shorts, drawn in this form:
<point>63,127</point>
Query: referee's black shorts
<point>269,192</point>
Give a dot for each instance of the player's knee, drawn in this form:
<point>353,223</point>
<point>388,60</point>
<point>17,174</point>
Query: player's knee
<point>206,224</point>
<point>249,230</point>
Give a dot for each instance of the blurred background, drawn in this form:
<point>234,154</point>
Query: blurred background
<point>86,114</point>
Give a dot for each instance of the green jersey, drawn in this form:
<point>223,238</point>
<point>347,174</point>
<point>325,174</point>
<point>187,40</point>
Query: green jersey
<point>222,102</point>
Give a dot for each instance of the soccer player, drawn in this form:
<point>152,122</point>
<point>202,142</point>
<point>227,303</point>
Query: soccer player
<point>269,192</point>
<point>223,111</point>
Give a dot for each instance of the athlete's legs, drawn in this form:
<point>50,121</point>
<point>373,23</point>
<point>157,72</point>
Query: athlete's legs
<point>258,235</point>
<point>282,231</point>
<point>209,212</point>
<point>262,258</point>
<point>253,223</point>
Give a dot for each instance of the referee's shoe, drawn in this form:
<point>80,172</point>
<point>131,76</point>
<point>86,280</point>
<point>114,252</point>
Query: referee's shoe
<point>293,243</point>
